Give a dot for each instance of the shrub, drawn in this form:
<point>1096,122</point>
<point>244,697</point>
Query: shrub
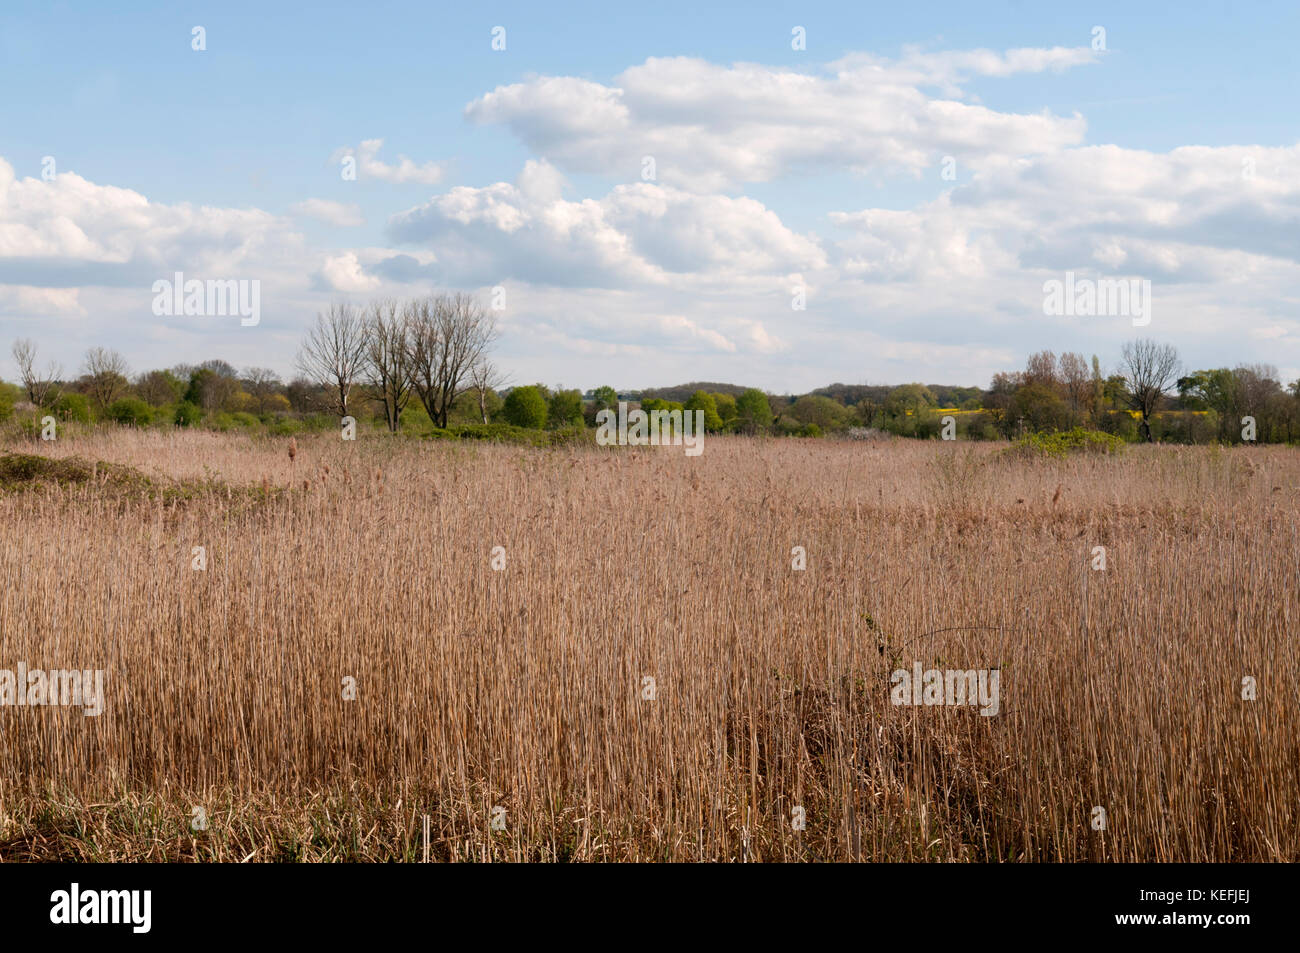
<point>187,414</point>
<point>526,407</point>
<point>565,409</point>
<point>131,411</point>
<point>72,406</point>
<point>506,433</point>
<point>9,395</point>
<point>1060,443</point>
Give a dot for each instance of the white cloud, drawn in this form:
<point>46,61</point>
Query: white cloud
<point>369,167</point>
<point>1184,216</point>
<point>343,273</point>
<point>72,220</point>
<point>343,214</point>
<point>641,234</point>
<point>711,127</point>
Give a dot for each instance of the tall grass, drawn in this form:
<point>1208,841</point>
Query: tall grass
<point>523,689</point>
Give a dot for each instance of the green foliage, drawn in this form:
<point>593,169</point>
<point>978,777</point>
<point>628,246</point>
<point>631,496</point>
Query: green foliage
<point>131,411</point>
<point>605,397</point>
<point>9,395</point>
<point>187,414</point>
<point>565,409</point>
<point>507,433</point>
<point>726,405</point>
<point>823,412</point>
<point>1061,443</point>
<point>160,388</point>
<point>1040,407</point>
<point>703,400</point>
<point>72,406</point>
<point>753,412</point>
<point>658,403</point>
<point>908,398</point>
<point>526,407</point>
<point>282,426</point>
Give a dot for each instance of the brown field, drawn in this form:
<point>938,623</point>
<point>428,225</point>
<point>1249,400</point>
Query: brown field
<point>522,689</point>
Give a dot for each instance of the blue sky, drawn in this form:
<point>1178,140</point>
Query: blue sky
<point>775,168</point>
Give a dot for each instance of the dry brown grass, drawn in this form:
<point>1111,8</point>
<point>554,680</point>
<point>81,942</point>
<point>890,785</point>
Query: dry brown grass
<point>521,688</point>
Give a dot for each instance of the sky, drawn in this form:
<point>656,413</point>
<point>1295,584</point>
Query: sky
<point>649,194</point>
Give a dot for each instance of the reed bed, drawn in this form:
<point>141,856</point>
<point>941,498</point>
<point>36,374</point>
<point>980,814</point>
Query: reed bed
<point>520,694</point>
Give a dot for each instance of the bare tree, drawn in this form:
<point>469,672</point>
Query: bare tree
<point>37,385</point>
<point>388,368</point>
<point>1150,370</point>
<point>483,378</point>
<point>449,336</point>
<point>333,355</point>
<point>1041,369</point>
<point>105,373</point>
<point>262,384</point>
<point>1077,384</point>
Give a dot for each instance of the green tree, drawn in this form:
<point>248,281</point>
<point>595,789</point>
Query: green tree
<point>160,387</point>
<point>824,413</point>
<point>565,408</point>
<point>526,407</point>
<point>703,400</point>
<point>187,414</point>
<point>908,398</point>
<point>753,412</point>
<point>130,410</point>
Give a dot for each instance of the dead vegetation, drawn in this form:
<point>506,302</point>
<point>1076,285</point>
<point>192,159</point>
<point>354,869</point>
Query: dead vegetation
<point>523,689</point>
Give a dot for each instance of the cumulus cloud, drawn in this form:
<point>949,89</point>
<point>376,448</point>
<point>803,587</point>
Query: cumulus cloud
<point>71,220</point>
<point>712,127</point>
<point>366,269</point>
<point>343,214</point>
<point>406,170</point>
<point>344,273</point>
<point>1189,215</point>
<point>640,234</point>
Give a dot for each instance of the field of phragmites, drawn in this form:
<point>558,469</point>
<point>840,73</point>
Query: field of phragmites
<point>511,706</point>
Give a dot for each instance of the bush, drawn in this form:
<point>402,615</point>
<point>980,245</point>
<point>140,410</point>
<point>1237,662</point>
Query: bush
<point>565,409</point>
<point>1061,443</point>
<point>187,414</point>
<point>72,407</point>
<point>505,433</point>
<point>282,426</point>
<point>9,395</point>
<point>526,407</point>
<point>131,411</point>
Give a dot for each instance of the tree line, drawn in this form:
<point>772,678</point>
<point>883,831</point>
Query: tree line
<point>424,364</point>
